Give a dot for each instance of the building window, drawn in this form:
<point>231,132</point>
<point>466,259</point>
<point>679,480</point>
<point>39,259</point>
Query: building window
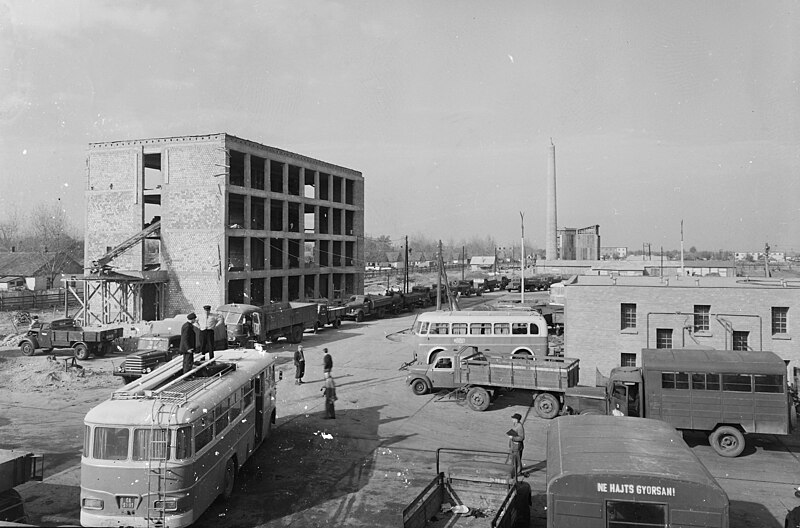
<point>740,340</point>
<point>663,337</point>
<point>780,320</point>
<point>701,312</point>
<point>627,360</point>
<point>627,315</point>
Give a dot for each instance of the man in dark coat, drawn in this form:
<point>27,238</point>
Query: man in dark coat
<point>188,342</point>
<point>327,362</point>
<point>299,365</point>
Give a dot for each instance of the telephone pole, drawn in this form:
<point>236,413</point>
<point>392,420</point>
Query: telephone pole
<point>522,258</point>
<point>405,283</point>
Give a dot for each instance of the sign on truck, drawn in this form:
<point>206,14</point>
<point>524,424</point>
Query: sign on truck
<point>474,491</point>
<point>480,376</point>
<point>724,393</point>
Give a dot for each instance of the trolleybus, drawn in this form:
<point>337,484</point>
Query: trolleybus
<point>164,447</point>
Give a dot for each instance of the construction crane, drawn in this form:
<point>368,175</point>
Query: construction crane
<point>101,265</point>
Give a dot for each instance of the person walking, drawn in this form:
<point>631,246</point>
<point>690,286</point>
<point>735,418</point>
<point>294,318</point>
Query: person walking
<point>327,362</point>
<point>188,342</point>
<point>516,443</point>
<point>299,365</point>
<point>329,393</point>
<point>207,322</point>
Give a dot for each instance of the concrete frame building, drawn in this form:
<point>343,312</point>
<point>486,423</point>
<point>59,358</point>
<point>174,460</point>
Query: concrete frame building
<point>582,243</point>
<point>609,320</point>
<point>238,222</point>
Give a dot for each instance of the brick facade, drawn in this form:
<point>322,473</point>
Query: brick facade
<point>593,317</point>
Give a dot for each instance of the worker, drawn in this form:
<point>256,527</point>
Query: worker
<point>207,322</point>
<point>516,443</point>
<point>188,342</point>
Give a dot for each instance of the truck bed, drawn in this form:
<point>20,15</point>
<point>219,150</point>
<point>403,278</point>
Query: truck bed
<point>523,373</point>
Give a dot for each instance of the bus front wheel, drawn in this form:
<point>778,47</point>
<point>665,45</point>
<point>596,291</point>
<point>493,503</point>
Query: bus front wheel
<point>727,441</point>
<point>229,480</point>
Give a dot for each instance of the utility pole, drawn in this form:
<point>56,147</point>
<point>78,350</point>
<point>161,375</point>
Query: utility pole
<point>439,262</point>
<point>495,261</point>
<point>463,260</point>
<point>405,282</point>
<point>683,271</point>
<point>766,260</point>
<point>522,258</point>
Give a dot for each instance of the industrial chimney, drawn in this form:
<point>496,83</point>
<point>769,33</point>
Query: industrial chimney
<point>551,251</point>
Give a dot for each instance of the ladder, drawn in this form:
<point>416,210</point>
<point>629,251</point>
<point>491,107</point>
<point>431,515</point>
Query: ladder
<point>158,447</point>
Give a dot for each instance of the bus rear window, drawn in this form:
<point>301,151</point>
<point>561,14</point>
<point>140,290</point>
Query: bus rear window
<point>480,328</point>
<point>151,444</point>
<point>737,382</point>
<point>623,514</point>
<point>111,443</point>
<point>534,329</point>
<point>772,383</point>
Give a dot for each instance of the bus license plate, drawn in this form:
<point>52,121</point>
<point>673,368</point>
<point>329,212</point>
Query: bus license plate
<point>127,503</point>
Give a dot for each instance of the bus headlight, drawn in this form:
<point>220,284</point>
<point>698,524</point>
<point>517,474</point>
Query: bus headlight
<point>93,504</point>
<point>169,505</point>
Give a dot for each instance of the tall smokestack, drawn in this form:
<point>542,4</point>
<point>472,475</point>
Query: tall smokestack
<point>552,226</point>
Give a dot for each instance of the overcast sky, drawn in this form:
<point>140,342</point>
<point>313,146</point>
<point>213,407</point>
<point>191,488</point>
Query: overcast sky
<point>660,111</point>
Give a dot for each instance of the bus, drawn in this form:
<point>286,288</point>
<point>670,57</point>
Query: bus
<point>507,333</point>
<point>161,449</point>
<point>621,472</point>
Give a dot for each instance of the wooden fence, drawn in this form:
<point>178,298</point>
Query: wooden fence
<point>27,300</point>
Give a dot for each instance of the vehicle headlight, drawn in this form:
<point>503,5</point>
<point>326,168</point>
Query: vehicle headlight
<point>167,505</point>
<point>93,504</point>
<point>120,369</point>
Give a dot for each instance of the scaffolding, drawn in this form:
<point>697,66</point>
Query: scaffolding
<point>114,298</point>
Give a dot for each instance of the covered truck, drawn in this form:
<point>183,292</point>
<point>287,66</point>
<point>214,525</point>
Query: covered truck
<point>480,375</point>
<point>476,491</point>
<point>609,471</point>
<point>248,323</point>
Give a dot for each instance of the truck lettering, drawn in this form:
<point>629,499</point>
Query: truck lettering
<point>638,489</point>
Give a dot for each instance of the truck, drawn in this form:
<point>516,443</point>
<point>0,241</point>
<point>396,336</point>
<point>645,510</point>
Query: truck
<point>480,376</point>
<point>475,491</point>
<point>65,333</point>
<point>328,314</point>
<point>431,292</point>
<point>465,288</point>
<point>16,467</point>
<point>247,323</point>
<point>605,471</point>
<point>723,393</point>
<point>359,307</point>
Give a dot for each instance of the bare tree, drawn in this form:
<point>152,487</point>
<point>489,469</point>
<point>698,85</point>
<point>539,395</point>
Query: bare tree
<point>10,227</point>
<point>52,241</point>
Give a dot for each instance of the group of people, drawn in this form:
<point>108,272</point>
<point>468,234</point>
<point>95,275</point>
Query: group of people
<point>205,323</point>
<point>329,386</point>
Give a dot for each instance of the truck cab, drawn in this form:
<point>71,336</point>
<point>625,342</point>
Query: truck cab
<point>622,391</point>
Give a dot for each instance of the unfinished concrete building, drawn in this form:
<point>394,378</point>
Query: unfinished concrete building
<point>175,223</point>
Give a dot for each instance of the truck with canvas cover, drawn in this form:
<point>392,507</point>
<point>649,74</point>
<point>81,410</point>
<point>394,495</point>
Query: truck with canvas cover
<point>65,333</point>
<point>480,376</point>
<point>247,323</point>
<point>724,393</point>
<point>476,491</point>
<point>619,472</point>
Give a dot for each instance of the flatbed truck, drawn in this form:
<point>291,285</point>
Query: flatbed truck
<point>247,323</point>
<point>64,333</point>
<point>360,307</point>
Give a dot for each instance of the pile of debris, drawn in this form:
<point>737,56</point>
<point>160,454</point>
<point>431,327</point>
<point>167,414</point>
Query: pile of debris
<point>11,340</point>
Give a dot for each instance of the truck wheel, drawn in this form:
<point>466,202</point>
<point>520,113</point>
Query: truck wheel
<point>102,349</point>
<point>81,351</point>
<point>359,317</point>
<point>27,348</point>
<point>727,441</point>
<point>316,327</point>
<point>337,323</point>
<point>297,334</point>
<point>546,406</point>
<point>419,387</point>
<point>381,313</point>
<point>478,399</point>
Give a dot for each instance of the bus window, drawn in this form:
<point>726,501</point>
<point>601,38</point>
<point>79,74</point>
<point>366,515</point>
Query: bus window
<point>111,443</point>
<point>622,514</point>
<point>519,328</point>
<point>502,328</point>
<point>421,327</point>
<point>247,393</point>
<point>157,445</point>
<point>768,383</point>
<point>87,431</point>
<point>480,328</point>
<point>534,329</point>
<point>704,381</point>
<point>459,328</point>
<point>221,415</point>
<point>737,382</point>
<point>183,443</point>
<point>205,433</point>
<point>444,363</point>
<point>236,406</point>
<point>439,328</point>
<point>674,380</point>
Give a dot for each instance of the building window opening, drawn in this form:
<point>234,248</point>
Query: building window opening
<point>236,173</point>
<point>257,254</point>
<point>257,172</point>
<point>349,284</point>
<point>308,287</point>
<point>324,252</point>
<point>337,252</point>
<point>309,188</point>
<point>627,360</point>
<point>349,249</point>
<point>235,254</point>
<point>151,191</point>
<point>276,289</point>
<point>349,218</point>
<point>275,253</point>
<point>309,250</point>
<point>324,213</point>
<point>627,316</point>
<point>294,180</point>
<point>309,219</point>
<point>276,176</point>
<point>701,317</point>
<point>257,291</point>
<point>337,221</point>
<point>294,254</point>
<point>663,337</point>
<point>324,183</point>
<point>294,217</point>
<point>349,193</point>
<point>294,287</point>
<point>740,340</point>
<point>780,320</point>
<point>236,211</point>
<point>323,286</point>
<point>257,215</point>
<point>337,189</point>
<point>236,291</point>
<point>276,215</point>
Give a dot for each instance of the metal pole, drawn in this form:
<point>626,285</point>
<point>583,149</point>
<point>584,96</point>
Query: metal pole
<point>463,260</point>
<point>439,262</point>
<point>522,258</point>
<point>405,283</point>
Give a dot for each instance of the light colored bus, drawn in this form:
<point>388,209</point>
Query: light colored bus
<point>165,446</point>
<point>509,333</point>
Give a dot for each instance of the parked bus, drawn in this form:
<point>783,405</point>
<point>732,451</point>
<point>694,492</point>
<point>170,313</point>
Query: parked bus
<point>621,472</point>
<point>505,333</point>
<point>165,446</point>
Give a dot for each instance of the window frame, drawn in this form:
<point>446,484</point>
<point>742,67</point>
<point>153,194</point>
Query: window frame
<point>627,314</point>
<point>779,321</point>
<point>701,318</point>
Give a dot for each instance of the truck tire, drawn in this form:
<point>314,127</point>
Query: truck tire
<point>81,351</point>
<point>27,348</point>
<point>380,313</point>
<point>727,441</point>
<point>297,334</point>
<point>359,316</point>
<point>337,323</point>
<point>102,349</point>
<point>419,387</point>
<point>478,399</point>
<point>546,406</point>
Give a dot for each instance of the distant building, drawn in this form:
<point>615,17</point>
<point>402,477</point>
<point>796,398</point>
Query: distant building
<point>35,271</point>
<point>482,263</point>
<point>608,252</point>
<point>758,256</point>
<point>608,320</point>
<point>579,243</point>
<point>638,267</point>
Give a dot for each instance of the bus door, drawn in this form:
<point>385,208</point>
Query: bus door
<point>259,396</point>
<point>625,395</point>
<point>442,373</point>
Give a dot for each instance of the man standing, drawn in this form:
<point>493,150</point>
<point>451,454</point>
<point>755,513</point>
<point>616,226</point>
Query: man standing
<point>516,443</point>
<point>299,365</point>
<point>327,362</point>
<point>188,342</point>
<point>329,393</point>
<point>207,323</point>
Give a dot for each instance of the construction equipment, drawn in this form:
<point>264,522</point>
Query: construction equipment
<point>101,265</point>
